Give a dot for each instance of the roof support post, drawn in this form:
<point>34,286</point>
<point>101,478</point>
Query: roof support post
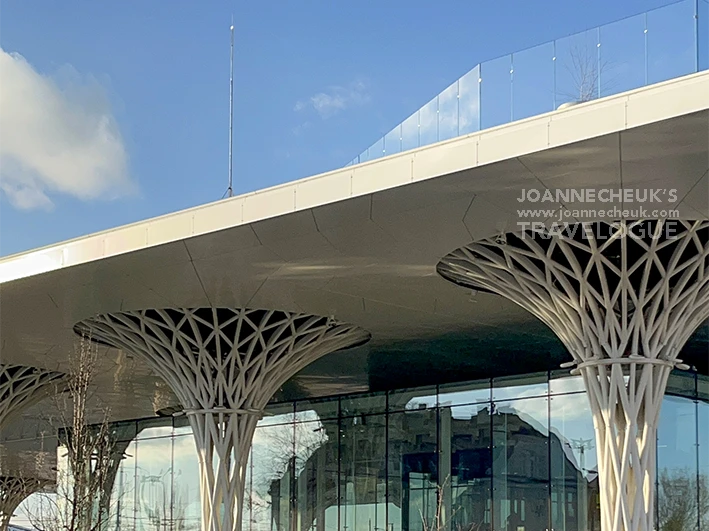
<point>224,365</point>
<point>13,491</point>
<point>623,298</point>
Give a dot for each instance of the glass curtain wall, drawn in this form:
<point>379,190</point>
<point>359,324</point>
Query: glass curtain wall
<point>495,455</point>
<point>665,43</point>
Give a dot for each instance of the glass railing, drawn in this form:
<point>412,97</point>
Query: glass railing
<point>661,44</point>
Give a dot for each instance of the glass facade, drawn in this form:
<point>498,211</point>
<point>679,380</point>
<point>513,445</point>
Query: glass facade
<point>512,454</point>
<point>665,43</point>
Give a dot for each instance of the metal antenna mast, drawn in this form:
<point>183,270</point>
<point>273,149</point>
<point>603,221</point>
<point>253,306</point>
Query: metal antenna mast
<point>230,190</point>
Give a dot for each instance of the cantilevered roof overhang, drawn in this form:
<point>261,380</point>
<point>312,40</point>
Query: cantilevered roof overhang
<point>362,243</point>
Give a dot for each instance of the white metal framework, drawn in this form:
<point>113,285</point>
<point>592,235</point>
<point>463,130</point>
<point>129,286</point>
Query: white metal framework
<point>623,298</point>
<point>224,365</point>
<point>21,387</point>
<point>13,490</point>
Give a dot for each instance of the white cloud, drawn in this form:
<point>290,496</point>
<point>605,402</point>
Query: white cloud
<point>59,136</point>
<point>335,99</point>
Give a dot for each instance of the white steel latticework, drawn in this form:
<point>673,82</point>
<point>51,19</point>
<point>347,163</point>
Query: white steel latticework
<point>21,387</point>
<point>224,365</point>
<point>13,490</point>
<point>623,298</point>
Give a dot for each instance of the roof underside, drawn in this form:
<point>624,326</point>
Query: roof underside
<point>362,244</point>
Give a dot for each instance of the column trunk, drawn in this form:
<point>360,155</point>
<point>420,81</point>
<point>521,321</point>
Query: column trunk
<point>223,443</point>
<point>625,397</point>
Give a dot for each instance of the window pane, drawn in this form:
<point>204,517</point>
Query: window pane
<point>316,480</point>
<point>520,464</point>
<point>328,408</point>
<point>448,113</point>
<point>467,393</point>
<point>495,92</point>
<point>412,469</point>
<point>469,106</point>
<point>671,50</point>
<point>520,386</point>
<point>533,81</point>
<point>413,399</point>
<point>187,504</point>
<point>577,68</point>
<point>622,65</point>
<point>428,129</point>
<point>561,382</point>
<point>677,465</point>
<point>574,477</point>
<point>392,141</point>
<point>363,473</point>
<point>703,453</point>
<point>154,483</point>
<point>703,34</point>
<point>363,404</point>
<point>273,455</point>
<point>410,132</point>
<point>469,438</point>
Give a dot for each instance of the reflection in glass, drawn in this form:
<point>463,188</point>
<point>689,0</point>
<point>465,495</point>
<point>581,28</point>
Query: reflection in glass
<point>577,68</point>
<point>466,437</point>
<point>412,469</point>
<point>318,409</point>
<point>392,141</point>
<point>469,102</point>
<point>428,123</point>
<point>362,404</point>
<point>376,150</point>
<point>393,461</point>
<point>410,132</point>
<point>622,56</point>
<point>154,484</point>
<point>574,475</point>
<point>464,393</point>
<point>411,399</point>
<point>518,387</point>
<point>316,475</point>
<point>677,466</point>
<point>561,382</point>
<point>703,35</point>
<point>186,501</point>
<point>273,456</point>
<point>448,113</point>
<point>533,81</point>
<point>363,472</point>
<point>496,92</point>
<point>703,460</point>
<point>671,50</point>
<point>124,490</point>
<point>520,464</point>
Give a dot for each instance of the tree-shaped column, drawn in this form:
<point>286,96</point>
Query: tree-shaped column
<point>13,491</point>
<point>623,298</point>
<point>22,387</point>
<point>224,365</point>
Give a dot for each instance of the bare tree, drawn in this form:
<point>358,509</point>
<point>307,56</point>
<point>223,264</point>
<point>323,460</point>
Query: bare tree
<point>588,75</point>
<point>439,521</point>
<point>682,499</point>
<point>87,469</point>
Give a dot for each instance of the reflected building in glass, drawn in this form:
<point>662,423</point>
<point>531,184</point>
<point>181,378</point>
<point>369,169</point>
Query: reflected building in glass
<point>494,455</point>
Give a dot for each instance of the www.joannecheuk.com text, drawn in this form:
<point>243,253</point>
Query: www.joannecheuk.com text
<point>602,195</point>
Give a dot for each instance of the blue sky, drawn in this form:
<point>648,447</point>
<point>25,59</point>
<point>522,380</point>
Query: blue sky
<point>316,83</point>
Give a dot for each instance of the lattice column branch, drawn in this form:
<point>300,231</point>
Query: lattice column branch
<point>224,365</point>
<point>13,491</point>
<point>623,298</point>
<point>22,387</point>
